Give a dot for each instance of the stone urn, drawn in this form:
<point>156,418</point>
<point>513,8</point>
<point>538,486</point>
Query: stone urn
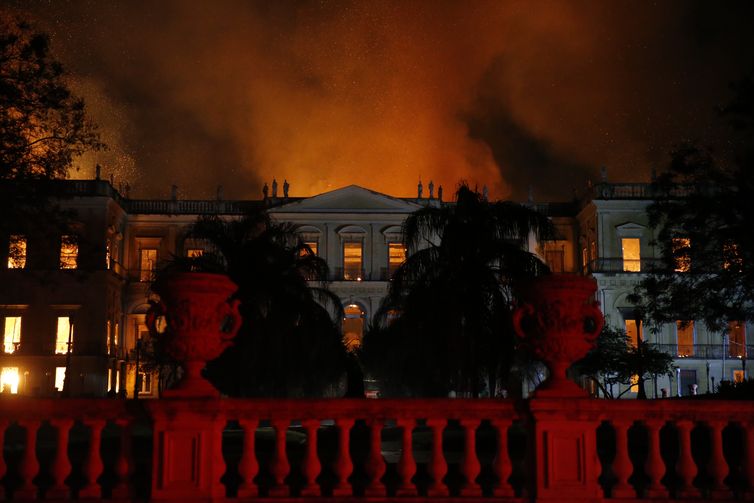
<point>199,324</point>
<point>558,320</point>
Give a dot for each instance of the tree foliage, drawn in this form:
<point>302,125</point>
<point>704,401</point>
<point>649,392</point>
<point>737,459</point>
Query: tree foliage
<point>446,321</point>
<point>288,345</point>
<point>614,360</point>
<point>703,212</point>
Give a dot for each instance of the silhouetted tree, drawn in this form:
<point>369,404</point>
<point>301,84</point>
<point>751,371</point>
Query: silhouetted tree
<point>703,212</point>
<point>445,323</point>
<point>288,344</point>
<point>614,360</point>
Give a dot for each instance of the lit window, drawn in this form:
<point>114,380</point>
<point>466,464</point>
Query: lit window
<point>631,249</point>
<point>117,380</point>
<point>9,380</point>
<point>685,335</point>
<point>62,335</point>
<point>107,255</point>
<point>116,336</point>
<point>108,340</point>
<point>59,378</point>
<point>145,383</point>
<point>732,260</point>
<point>17,252</point>
<point>584,258</point>
<point>739,376</point>
<point>194,252</point>
<point>634,383</point>
<point>353,326</point>
<point>147,264</point>
<point>396,257</point>
<point>314,246</point>
<point>555,258</point>
<point>633,330</point>
<point>69,252</point>
<point>12,334</point>
<point>352,261</point>
<point>736,339</point>
<point>681,255</point>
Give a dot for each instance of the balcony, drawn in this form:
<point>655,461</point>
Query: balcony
<point>353,274</point>
<point>707,351</point>
<point>617,265</point>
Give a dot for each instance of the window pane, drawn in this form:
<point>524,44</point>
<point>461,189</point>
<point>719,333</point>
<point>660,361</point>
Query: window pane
<point>59,378</point>
<point>353,326</point>
<point>352,261</point>
<point>681,254</point>
<point>12,334</point>
<point>69,252</point>
<point>194,252</point>
<point>631,249</point>
<point>9,380</point>
<point>633,330</point>
<point>17,252</point>
<point>736,339</point>
<point>61,336</point>
<point>147,264</point>
<point>396,257</point>
<point>685,338</point>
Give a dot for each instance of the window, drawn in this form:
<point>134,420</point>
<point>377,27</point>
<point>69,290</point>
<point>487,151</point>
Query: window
<point>352,261</point>
<point>584,258</point>
<point>685,337</point>
<point>634,384</point>
<point>9,380</point>
<point>681,254</point>
<point>194,252</point>
<point>62,335</point>
<point>108,257</point>
<point>69,252</point>
<point>633,330</point>
<point>145,383</point>
<point>353,326</point>
<point>116,336</point>
<point>554,258</point>
<point>59,378</point>
<point>732,260</point>
<point>631,250</point>
<point>739,376</point>
<point>688,382</point>
<point>12,334</point>
<point>593,250</point>
<point>17,252</point>
<point>147,264</point>
<point>396,257</point>
<point>108,340</point>
<point>736,339</point>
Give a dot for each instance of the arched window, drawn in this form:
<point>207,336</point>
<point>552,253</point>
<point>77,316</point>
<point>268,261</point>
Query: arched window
<point>353,326</point>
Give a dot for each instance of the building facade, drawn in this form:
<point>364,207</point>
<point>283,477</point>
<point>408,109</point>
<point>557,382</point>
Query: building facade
<point>72,308</point>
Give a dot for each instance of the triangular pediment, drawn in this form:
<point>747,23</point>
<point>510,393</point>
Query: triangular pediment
<point>351,199</point>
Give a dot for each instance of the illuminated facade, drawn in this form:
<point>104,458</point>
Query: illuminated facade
<point>80,304</point>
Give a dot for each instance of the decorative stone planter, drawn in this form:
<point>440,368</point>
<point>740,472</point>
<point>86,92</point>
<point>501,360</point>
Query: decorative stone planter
<point>559,321</point>
<point>200,324</point>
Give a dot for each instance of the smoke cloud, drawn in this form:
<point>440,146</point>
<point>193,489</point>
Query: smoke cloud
<point>325,94</point>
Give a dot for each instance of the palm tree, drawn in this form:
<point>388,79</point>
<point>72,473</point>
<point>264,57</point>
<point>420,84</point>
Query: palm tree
<point>288,344</point>
<point>445,323</point>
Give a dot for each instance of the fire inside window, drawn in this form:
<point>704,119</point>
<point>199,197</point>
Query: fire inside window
<point>64,331</point>
<point>148,264</point>
<point>352,261</point>
<point>396,257</point>
<point>17,252</point>
<point>685,338</point>
<point>69,252</point>
<point>12,334</point>
<point>631,250</point>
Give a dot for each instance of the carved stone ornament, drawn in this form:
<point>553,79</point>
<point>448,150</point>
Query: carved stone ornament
<point>558,320</point>
<point>201,322</point>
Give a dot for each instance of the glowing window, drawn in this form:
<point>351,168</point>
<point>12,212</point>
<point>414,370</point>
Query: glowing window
<point>59,378</point>
<point>116,336</point>
<point>353,326</point>
<point>732,260</point>
<point>12,334</point>
<point>107,255</point>
<point>634,383</point>
<point>396,257</point>
<point>117,380</point>
<point>736,339</point>
<point>352,263</point>
<point>314,245</point>
<point>681,255</point>
<point>685,335</point>
<point>145,383</point>
<point>631,250</point>
<point>9,380</point>
<point>584,258</point>
<point>147,264</point>
<point>633,330</point>
<point>739,376</point>
<point>108,339</point>
<point>17,252</point>
<point>194,252</point>
<point>69,252</point>
<point>64,331</point>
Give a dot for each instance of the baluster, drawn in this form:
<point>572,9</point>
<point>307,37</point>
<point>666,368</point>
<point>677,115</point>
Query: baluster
<point>61,466</point>
<point>470,466</point>
<point>280,467</point>
<point>407,464</point>
<point>502,467</point>
<point>248,466</point>
<point>437,466</point>
<point>748,464</point>
<point>3,466</point>
<point>343,464</point>
<point>717,467</point>
<point>217,488</point>
<point>311,466</point>
<point>622,466</point>
<point>654,465</point>
<point>685,468</point>
<point>93,464</point>
<point>124,462</point>
<point>29,464</point>
<point>375,464</point>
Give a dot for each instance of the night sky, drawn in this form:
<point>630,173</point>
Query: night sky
<point>377,93</point>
